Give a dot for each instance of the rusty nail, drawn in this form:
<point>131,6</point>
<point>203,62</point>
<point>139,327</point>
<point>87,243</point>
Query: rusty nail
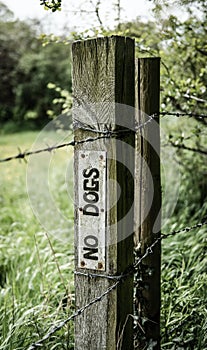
<point>100,265</point>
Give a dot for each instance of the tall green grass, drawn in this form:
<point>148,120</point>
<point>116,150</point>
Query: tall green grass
<point>184,297</point>
<point>36,267</point>
<point>184,261</point>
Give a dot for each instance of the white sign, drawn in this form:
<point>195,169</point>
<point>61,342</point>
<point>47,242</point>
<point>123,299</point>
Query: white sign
<point>91,209</point>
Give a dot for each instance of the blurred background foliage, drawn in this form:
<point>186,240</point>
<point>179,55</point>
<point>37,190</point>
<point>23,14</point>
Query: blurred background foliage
<point>27,67</point>
<point>30,60</point>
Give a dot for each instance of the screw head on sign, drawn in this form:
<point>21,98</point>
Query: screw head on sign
<point>82,263</point>
<point>82,155</point>
<point>100,266</point>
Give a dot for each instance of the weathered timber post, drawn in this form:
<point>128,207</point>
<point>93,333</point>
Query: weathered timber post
<point>103,78</point>
<point>148,203</point>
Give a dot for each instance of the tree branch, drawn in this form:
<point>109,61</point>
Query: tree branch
<point>97,12</point>
<point>203,52</point>
<point>53,5</point>
<point>195,98</point>
<point>182,146</point>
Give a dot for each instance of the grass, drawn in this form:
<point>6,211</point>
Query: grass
<point>184,298</point>
<point>184,273</point>
<point>36,261</point>
<point>36,266</point>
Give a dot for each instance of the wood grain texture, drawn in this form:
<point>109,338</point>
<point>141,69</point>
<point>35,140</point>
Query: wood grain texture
<point>103,75</point>
<point>148,201</point>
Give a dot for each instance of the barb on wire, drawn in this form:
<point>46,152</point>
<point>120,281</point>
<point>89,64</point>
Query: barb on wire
<point>151,118</point>
<point>118,279</point>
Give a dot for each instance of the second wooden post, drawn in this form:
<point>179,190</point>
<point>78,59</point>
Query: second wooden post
<point>147,203</point>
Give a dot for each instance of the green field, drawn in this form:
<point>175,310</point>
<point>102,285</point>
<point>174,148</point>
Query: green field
<point>36,264</point>
<point>36,261</point>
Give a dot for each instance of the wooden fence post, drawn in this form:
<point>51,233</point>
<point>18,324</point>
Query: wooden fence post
<point>103,75</point>
<point>148,203</point>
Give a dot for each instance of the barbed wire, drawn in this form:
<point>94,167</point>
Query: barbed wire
<point>118,279</point>
<point>183,114</point>
<point>77,313</point>
<point>23,155</point>
<point>105,134</point>
<point>149,250</point>
<point>184,229</point>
